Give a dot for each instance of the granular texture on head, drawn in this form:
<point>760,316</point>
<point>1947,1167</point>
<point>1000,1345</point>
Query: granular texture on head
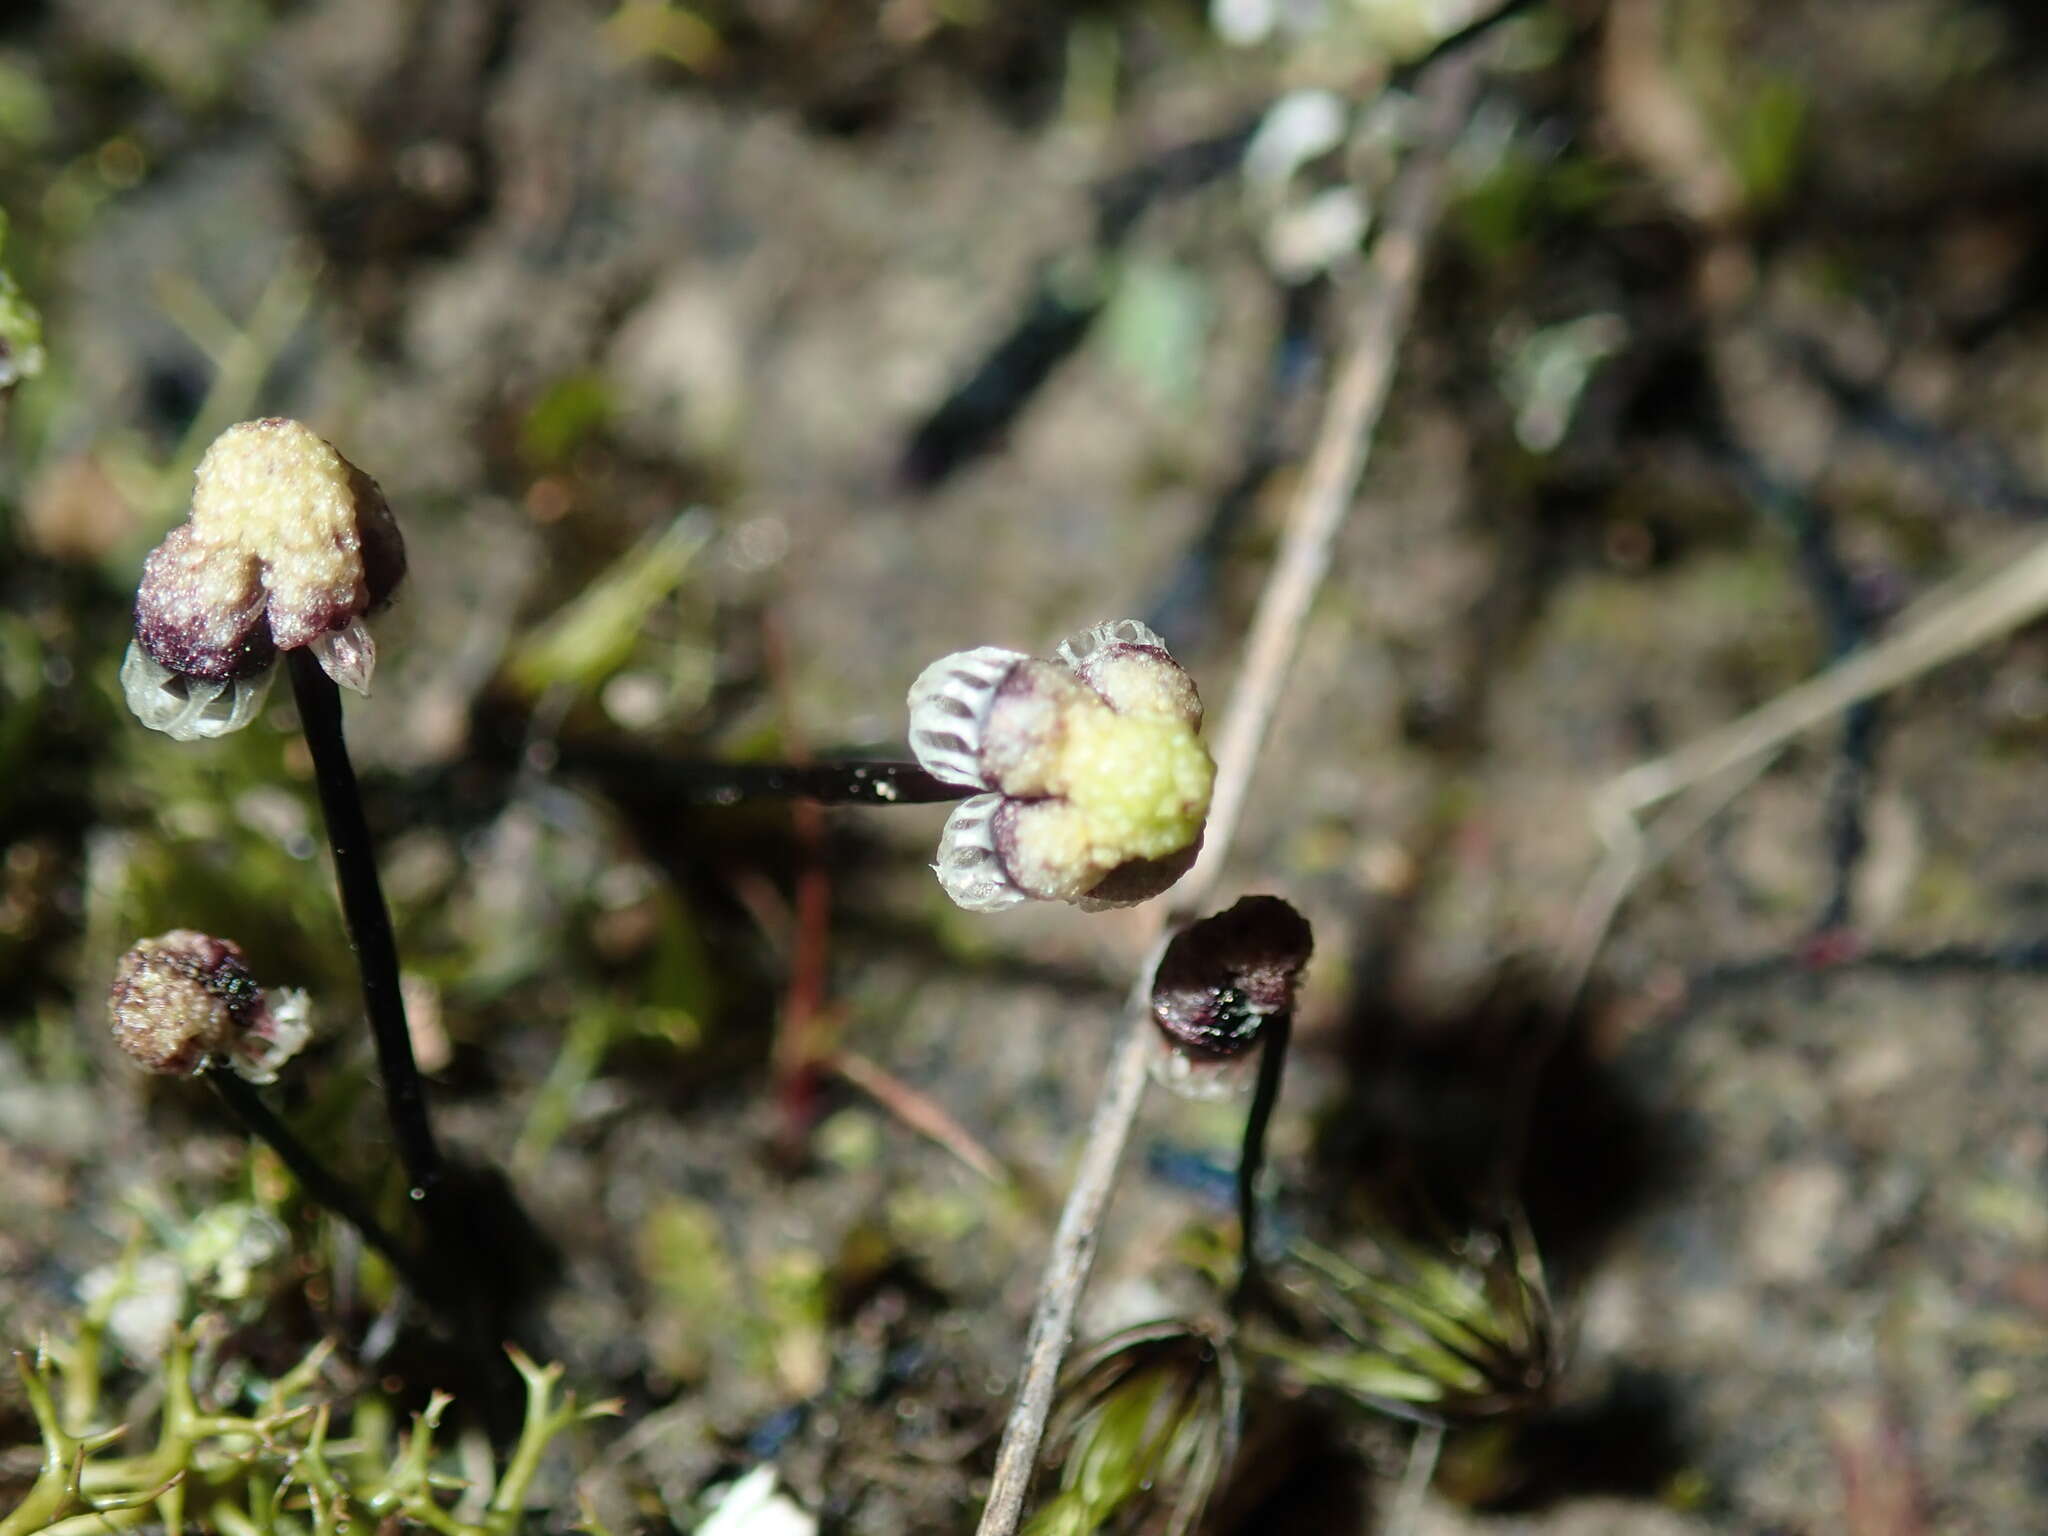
<point>1099,781</point>
<point>287,544</point>
<point>184,1001</point>
<point>200,609</point>
<point>180,999</point>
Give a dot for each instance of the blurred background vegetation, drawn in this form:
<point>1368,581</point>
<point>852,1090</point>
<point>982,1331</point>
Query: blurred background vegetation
<point>727,362</point>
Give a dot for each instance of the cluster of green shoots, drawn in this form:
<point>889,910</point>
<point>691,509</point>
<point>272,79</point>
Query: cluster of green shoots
<point>1438,1333</point>
<point>282,1467</point>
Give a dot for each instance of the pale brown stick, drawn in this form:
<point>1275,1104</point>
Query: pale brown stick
<point>1712,769</point>
<point>1329,482</point>
<point>1423,1451</point>
<point>1328,487</point>
<point>1964,619</point>
<point>918,1110</point>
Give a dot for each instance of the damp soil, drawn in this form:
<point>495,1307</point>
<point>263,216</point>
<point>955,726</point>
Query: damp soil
<point>916,327</point>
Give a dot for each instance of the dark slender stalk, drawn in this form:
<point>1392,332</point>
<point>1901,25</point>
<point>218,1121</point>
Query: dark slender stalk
<point>1847,621</point>
<point>313,1175</point>
<point>1411,71</point>
<point>1252,1158</point>
<point>713,783</point>
<point>1971,470</point>
<point>368,921</point>
<point>803,1028</point>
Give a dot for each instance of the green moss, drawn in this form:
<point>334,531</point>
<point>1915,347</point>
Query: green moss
<point>568,414</point>
<point>683,1258</point>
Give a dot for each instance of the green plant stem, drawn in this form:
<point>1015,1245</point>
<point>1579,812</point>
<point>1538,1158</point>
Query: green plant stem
<point>314,1177</point>
<point>368,921</point>
<point>1278,1030</point>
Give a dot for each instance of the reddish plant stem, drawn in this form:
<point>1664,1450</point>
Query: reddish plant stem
<point>802,1046</point>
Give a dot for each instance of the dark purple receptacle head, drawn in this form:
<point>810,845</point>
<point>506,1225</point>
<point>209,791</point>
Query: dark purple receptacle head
<point>1220,979</point>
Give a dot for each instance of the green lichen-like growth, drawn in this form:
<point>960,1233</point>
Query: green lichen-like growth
<point>276,1473</point>
<point>21,328</point>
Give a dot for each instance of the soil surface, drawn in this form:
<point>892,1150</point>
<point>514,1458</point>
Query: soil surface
<point>725,365</point>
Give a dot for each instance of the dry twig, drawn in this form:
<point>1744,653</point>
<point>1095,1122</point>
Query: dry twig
<point>1711,769</point>
<point>920,1112</point>
<point>1329,485</point>
<point>1423,1452</point>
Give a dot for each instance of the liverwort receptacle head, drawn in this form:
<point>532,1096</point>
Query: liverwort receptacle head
<point>1096,781</point>
<point>184,1001</point>
<point>287,544</point>
<point>1218,983</point>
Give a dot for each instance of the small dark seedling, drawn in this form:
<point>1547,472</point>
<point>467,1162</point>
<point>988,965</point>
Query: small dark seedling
<point>1223,991</point>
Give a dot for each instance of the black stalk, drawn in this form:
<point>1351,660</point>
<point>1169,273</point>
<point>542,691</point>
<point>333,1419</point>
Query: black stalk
<point>1272,1062</point>
<point>367,919</point>
<point>695,782</point>
<point>1407,74</point>
<point>313,1176</point>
